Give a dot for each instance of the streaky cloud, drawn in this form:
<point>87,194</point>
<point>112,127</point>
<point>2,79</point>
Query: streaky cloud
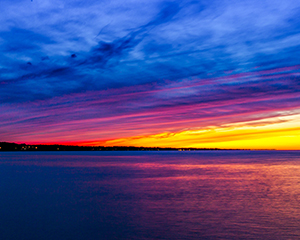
<point>86,71</point>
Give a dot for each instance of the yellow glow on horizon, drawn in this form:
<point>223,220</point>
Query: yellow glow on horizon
<point>281,133</point>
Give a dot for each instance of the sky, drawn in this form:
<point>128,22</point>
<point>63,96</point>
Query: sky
<point>209,74</point>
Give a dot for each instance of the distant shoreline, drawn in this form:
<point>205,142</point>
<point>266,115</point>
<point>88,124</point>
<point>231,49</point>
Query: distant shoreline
<point>6,146</point>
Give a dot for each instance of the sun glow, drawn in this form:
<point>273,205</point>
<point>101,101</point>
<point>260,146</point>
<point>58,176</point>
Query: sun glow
<point>281,133</point>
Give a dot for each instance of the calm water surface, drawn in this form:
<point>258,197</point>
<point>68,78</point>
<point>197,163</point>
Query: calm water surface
<point>150,195</point>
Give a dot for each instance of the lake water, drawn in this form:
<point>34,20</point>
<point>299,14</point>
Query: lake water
<point>150,195</point>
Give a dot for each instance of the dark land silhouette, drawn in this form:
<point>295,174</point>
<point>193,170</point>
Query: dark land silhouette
<point>6,146</point>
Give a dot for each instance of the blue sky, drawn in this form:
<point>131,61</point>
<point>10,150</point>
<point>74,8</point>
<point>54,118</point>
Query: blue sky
<point>63,60</point>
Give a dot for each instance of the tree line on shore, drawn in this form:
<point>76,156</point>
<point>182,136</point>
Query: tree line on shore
<point>5,146</point>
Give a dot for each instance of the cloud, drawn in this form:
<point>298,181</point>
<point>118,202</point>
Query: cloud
<point>196,61</point>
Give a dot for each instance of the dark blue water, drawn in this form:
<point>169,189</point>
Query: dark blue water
<point>150,195</point>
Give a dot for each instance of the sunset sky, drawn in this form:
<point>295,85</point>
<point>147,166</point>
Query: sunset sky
<point>216,74</point>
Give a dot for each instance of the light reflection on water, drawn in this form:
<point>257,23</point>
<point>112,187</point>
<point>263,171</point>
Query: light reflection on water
<point>166,195</point>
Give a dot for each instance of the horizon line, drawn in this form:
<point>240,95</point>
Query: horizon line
<point>132,147</point>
